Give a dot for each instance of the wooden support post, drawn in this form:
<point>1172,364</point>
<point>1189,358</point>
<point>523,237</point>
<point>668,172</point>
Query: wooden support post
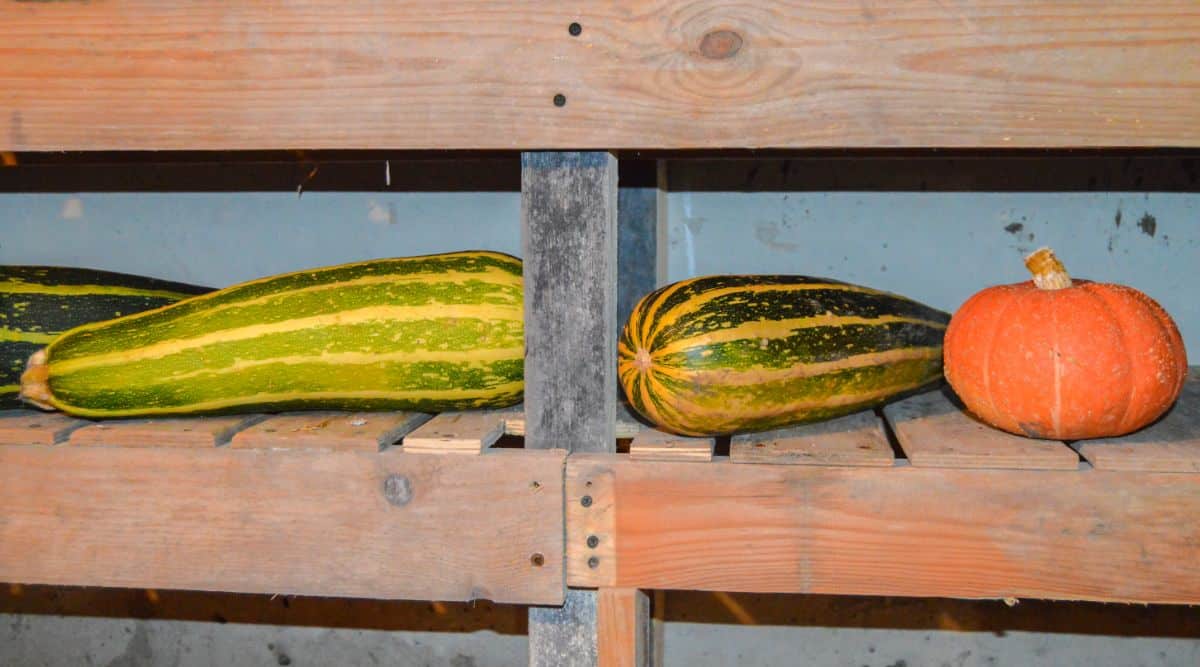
<point>569,235</point>
<point>622,627</point>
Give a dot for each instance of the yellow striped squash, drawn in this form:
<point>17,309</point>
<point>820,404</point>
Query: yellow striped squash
<point>735,353</point>
<point>430,333</point>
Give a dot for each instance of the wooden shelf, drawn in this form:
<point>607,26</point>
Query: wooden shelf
<point>218,503</point>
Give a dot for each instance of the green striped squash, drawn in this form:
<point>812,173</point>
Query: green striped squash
<point>39,302</point>
<point>431,333</point>
<point>724,354</point>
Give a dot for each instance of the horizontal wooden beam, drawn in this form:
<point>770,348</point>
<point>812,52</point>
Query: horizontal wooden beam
<point>387,525</point>
<point>608,74</point>
<point>1080,534</point>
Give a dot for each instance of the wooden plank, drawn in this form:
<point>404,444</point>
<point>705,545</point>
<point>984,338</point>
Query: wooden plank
<point>1170,445</point>
<point>457,433</point>
<point>935,432</point>
<point>31,427</point>
<point>907,531</point>
<point>627,425</point>
<point>569,235</point>
<point>307,522</point>
<point>564,635</point>
<point>366,431</point>
<point>209,74</point>
<point>655,445</point>
<point>622,628</point>
<point>183,432</point>
<point>856,440</point>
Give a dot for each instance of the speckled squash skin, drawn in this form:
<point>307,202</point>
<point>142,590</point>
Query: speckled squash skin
<point>1090,360</point>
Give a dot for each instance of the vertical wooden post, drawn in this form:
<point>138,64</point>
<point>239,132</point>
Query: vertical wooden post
<point>569,238</point>
<point>622,626</point>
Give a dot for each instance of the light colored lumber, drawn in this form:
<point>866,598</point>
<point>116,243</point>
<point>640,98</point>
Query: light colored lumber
<point>366,431</point>
<point>655,445</point>
<point>456,433</point>
<point>935,432</point>
<point>1171,444</point>
<point>305,522</point>
<point>30,427</point>
<point>905,530</point>
<point>627,425</point>
<point>273,74</point>
<point>856,439</point>
<point>622,628</point>
<point>182,432</point>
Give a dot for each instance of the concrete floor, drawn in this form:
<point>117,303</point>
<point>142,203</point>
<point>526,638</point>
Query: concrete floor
<point>51,626</point>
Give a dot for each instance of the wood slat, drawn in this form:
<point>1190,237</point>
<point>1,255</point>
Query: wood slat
<point>935,432</point>
<point>306,522</point>
<point>210,74</point>
<point>905,530</point>
<point>184,432</point>
<point>857,439</point>
<point>622,628</point>
<point>655,445</point>
<point>1170,445</point>
<point>456,433</point>
<point>627,425</point>
<point>366,431</point>
<point>30,427</point>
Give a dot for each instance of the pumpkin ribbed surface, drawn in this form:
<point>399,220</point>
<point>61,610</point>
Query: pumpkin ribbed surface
<point>722,354</point>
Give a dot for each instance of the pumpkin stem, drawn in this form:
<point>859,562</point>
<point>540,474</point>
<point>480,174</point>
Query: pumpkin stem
<point>1048,272</point>
<point>35,381</point>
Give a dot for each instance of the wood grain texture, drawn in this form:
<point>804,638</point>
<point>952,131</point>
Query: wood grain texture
<point>655,445</point>
<point>564,636</point>
<point>622,628</point>
<point>31,427</point>
<point>144,74</point>
<point>351,524</point>
<point>183,432</point>
<point>626,426</point>
<point>591,526</point>
<point>1171,444</point>
<point>908,531</point>
<point>935,432</point>
<point>855,440</point>
<point>569,236</point>
<point>457,433</point>
<point>362,431</point>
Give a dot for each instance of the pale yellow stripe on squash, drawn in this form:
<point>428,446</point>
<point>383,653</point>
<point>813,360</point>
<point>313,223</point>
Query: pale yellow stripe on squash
<point>262,399</point>
<point>649,318</point>
<point>772,329</point>
<point>483,356</point>
<point>744,377</point>
<point>671,316</point>
<point>11,336</point>
<point>9,388</point>
<point>23,287</point>
<point>358,316</point>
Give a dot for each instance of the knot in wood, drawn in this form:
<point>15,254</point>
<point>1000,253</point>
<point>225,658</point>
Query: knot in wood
<point>720,44</point>
<point>397,489</point>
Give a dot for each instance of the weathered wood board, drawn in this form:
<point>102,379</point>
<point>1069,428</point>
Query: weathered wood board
<point>364,431</point>
<point>309,522</point>
<point>905,530</point>
<point>457,433</point>
<point>856,439</point>
<point>31,427</point>
<point>183,432</point>
<point>655,445</point>
<point>508,74</point>
<point>935,432</point>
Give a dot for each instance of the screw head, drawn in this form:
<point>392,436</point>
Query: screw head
<point>593,541</point>
<point>574,29</point>
<point>560,100</point>
<point>586,501</point>
<point>397,490</point>
<point>593,562</point>
<point>537,559</point>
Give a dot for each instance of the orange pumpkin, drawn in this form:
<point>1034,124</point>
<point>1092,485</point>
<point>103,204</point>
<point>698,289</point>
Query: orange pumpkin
<point>1063,359</point>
